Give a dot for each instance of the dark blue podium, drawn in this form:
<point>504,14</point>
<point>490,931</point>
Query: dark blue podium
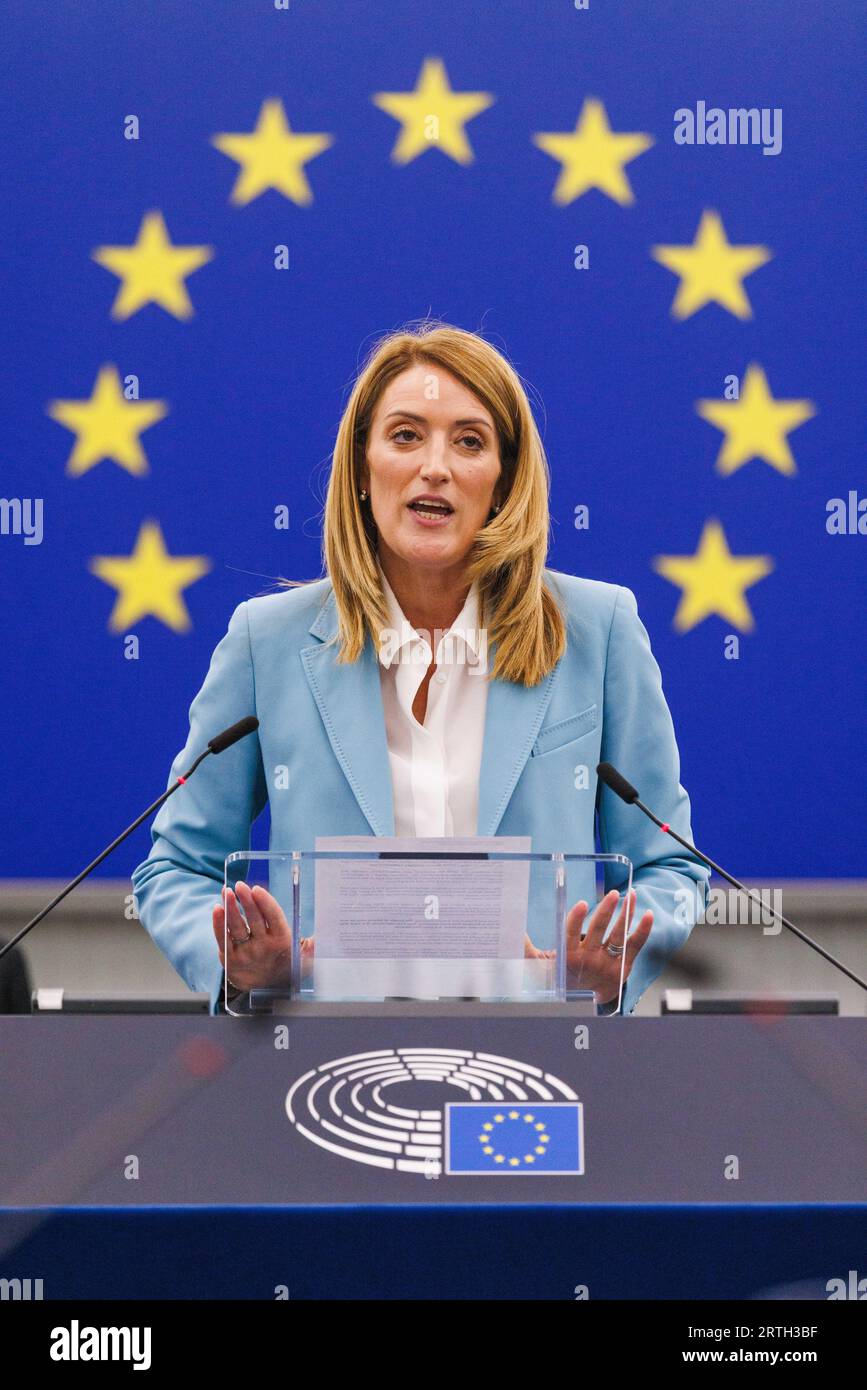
<point>316,1155</point>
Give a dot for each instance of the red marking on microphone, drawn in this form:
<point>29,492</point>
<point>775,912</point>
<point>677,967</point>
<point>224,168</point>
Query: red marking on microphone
<point>182,781</point>
<point>666,828</point>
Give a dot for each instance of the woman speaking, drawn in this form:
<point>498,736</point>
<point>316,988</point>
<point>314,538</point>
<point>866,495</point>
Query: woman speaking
<point>440,681</point>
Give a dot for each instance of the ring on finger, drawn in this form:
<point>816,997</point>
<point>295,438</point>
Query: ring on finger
<point>615,951</point>
<point>241,940</point>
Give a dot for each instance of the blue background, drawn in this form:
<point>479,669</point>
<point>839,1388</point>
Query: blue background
<point>772,744</point>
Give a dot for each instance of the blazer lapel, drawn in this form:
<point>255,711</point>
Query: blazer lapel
<point>349,698</point>
<point>512,722</point>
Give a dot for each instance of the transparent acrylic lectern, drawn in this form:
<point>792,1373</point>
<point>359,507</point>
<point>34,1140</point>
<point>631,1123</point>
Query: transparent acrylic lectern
<point>371,926</point>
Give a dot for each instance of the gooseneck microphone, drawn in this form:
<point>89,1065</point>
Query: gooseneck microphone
<point>218,744</point>
<point>625,790</point>
<point>221,742</point>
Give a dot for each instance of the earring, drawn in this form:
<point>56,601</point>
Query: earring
<point>363,495</point>
<point>497,507</point>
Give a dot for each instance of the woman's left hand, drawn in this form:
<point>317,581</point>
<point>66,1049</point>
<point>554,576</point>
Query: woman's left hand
<point>532,952</point>
<point>589,962</point>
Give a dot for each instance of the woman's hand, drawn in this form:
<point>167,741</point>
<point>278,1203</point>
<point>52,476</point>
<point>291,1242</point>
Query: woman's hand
<point>263,957</point>
<point>589,961</point>
<point>532,952</point>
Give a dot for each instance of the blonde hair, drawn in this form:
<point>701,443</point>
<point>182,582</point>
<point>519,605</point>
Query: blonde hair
<point>508,555</point>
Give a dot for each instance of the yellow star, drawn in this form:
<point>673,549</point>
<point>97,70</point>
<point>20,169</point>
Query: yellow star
<point>500,1158</point>
<point>149,582</point>
<point>272,156</point>
<point>756,425</point>
<point>107,426</point>
<point>513,1162</point>
<point>529,1158</point>
<point>432,115</point>
<point>713,580</point>
<point>593,156</point>
<point>711,270</point>
<point>152,270</point>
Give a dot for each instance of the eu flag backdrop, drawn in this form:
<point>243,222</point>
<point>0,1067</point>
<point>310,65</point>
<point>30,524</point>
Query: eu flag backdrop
<point>210,212</point>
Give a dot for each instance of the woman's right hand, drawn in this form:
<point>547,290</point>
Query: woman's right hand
<point>264,958</point>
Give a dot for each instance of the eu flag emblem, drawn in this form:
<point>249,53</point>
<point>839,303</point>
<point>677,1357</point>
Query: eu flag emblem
<point>484,1138</point>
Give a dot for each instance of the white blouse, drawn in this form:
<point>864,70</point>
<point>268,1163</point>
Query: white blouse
<point>435,765</point>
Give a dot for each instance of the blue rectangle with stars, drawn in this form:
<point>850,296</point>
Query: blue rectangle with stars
<point>513,1139</point>
<point>212,212</point>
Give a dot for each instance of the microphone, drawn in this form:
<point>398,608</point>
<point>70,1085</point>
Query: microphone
<point>218,744</point>
<point>617,783</point>
<point>246,726</point>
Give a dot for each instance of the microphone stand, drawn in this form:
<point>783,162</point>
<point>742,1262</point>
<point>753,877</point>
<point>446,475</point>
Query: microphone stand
<point>216,745</point>
<point>619,785</point>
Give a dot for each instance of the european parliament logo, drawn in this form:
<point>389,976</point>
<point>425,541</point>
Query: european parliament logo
<point>516,1139</point>
<point>380,1108</point>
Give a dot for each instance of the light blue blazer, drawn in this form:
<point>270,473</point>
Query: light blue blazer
<point>324,723</point>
